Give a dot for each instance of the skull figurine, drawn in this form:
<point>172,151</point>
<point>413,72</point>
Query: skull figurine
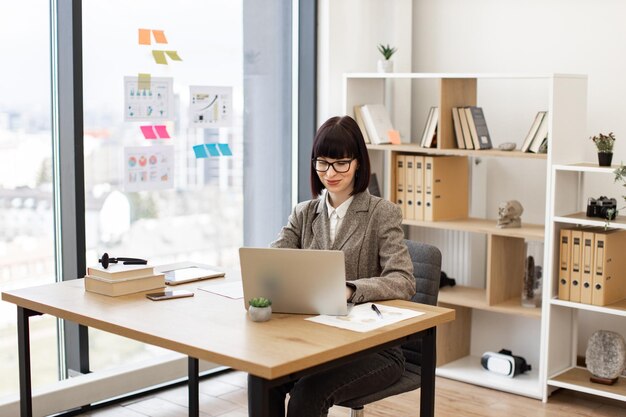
<point>509,214</point>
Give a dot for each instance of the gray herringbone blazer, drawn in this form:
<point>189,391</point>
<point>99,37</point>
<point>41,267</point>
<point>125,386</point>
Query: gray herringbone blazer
<point>378,264</point>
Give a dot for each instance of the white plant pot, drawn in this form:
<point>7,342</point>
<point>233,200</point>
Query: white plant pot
<point>260,313</point>
<point>385,65</point>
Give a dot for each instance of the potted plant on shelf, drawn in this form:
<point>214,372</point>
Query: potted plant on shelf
<point>386,65</point>
<point>604,144</point>
<point>260,309</point>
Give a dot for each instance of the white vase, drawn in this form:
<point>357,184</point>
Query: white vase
<point>385,65</point>
<point>260,313</point>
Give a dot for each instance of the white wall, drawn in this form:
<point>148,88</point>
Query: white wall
<point>490,36</point>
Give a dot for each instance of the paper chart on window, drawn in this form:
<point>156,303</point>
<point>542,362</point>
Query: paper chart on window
<point>210,106</point>
<point>155,103</point>
<point>148,168</point>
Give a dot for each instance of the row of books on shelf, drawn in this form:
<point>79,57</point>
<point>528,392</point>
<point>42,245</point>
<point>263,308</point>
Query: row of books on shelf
<point>470,128</point>
<point>592,265</point>
<point>431,187</point>
<point>119,279</point>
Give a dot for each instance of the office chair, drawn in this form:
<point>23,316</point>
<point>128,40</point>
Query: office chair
<point>427,271</point>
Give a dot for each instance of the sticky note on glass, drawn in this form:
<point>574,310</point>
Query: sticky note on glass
<point>144,36</point>
<point>148,132</point>
<point>224,149</point>
<point>144,81</point>
<point>212,148</point>
<point>161,131</point>
<point>173,55</point>
<point>394,136</point>
<point>159,57</point>
<point>200,151</point>
<point>159,36</point>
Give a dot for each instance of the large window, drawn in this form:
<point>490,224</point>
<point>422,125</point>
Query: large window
<point>26,219</point>
<point>194,207</point>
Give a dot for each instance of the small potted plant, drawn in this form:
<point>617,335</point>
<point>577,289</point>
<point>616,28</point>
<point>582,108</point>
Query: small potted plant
<point>604,144</point>
<point>260,309</point>
<point>386,65</point>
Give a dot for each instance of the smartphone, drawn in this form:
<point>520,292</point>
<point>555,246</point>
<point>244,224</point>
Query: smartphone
<point>167,295</point>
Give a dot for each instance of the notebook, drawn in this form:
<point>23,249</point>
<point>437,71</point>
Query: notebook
<point>300,281</point>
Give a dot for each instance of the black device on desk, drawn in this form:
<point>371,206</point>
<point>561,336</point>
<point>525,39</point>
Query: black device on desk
<point>168,295</point>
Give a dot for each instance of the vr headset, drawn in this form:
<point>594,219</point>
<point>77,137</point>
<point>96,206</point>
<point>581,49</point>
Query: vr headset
<point>504,363</point>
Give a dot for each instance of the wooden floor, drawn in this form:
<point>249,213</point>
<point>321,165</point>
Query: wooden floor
<point>225,396</point>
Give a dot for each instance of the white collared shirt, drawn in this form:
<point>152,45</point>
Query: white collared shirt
<point>336,215</point>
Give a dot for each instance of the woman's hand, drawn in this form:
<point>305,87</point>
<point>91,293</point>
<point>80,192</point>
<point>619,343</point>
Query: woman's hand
<point>349,292</point>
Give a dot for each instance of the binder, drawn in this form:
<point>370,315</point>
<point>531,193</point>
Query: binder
<point>409,212</point>
<point>400,199</point>
<point>446,187</point>
<point>564,264</point>
<point>609,272</point>
<point>586,281</point>
<point>419,187</point>
<point>576,263</point>
<point>458,131</point>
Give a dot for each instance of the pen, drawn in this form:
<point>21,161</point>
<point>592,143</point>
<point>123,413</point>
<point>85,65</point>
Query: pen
<point>380,315</point>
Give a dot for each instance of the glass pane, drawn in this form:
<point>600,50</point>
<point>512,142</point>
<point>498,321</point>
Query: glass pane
<point>26,219</point>
<point>146,195</point>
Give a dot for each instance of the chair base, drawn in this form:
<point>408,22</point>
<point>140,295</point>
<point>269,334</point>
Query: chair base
<point>357,412</point>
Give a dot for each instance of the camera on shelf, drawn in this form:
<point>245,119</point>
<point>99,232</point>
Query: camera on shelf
<point>603,207</point>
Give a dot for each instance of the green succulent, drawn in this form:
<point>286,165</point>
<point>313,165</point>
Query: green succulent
<point>386,50</point>
<point>260,302</point>
<point>604,143</point>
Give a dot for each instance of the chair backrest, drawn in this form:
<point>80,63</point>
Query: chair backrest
<point>427,272</point>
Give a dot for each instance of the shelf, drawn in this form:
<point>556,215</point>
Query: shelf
<point>586,167</point>
<point>415,148</point>
<point>477,298</point>
<point>577,379</point>
<point>425,75</point>
<point>527,231</point>
<point>617,309</point>
<point>581,219</point>
<point>468,369</point>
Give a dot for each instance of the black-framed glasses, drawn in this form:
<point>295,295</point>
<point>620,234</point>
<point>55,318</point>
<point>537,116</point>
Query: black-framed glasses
<point>340,166</point>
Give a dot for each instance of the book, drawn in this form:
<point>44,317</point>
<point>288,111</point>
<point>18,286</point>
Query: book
<point>377,123</point>
<point>430,114</point>
<point>120,271</point>
<point>540,136</point>
<point>124,286</point>
<point>430,133</point>
<point>533,131</point>
<point>472,127</point>
<point>358,117</point>
<point>480,126</point>
<point>458,131</point>
<point>467,137</point>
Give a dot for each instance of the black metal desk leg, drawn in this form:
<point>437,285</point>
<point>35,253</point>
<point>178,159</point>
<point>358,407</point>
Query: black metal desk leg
<point>429,361</point>
<point>264,400</point>
<point>194,390</point>
<point>23,348</point>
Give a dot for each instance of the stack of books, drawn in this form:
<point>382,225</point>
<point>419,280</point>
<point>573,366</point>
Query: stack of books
<point>537,136</point>
<point>119,279</point>
<point>470,128</point>
<point>375,124</point>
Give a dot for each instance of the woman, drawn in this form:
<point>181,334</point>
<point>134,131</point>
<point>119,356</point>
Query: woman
<point>344,216</point>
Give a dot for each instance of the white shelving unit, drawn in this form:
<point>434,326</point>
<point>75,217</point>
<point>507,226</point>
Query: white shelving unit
<point>562,324</point>
<point>500,297</point>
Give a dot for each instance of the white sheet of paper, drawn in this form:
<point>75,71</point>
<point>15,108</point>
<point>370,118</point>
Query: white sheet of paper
<point>148,167</point>
<point>363,319</point>
<point>149,105</point>
<point>232,290</point>
<point>210,106</point>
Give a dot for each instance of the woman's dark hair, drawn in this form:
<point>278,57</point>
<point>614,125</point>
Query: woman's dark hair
<point>340,137</point>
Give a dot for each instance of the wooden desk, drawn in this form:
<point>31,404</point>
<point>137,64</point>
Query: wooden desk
<point>216,329</point>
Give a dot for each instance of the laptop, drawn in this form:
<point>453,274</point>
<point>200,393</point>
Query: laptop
<point>300,281</point>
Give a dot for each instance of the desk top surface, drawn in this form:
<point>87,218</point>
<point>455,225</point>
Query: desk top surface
<point>216,328</point>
